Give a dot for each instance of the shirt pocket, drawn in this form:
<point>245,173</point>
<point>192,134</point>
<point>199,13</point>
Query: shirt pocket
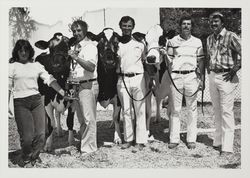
<point>137,51</point>
<point>223,50</point>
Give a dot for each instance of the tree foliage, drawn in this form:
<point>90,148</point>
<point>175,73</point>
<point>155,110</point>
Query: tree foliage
<point>21,23</point>
<point>169,18</point>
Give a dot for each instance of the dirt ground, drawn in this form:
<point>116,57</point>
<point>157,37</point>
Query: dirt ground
<point>155,155</point>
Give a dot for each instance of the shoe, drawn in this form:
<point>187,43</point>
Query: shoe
<point>191,145</point>
<point>138,147</point>
<point>225,154</point>
<point>218,148</point>
<point>172,145</point>
<point>126,145</point>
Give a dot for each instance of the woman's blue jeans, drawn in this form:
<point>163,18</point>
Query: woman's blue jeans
<point>30,119</point>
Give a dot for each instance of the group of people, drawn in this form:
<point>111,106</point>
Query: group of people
<point>186,56</point>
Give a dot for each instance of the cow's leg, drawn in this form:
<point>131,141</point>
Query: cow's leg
<point>116,119</point>
<point>148,112</point>
<point>58,122</point>
<point>49,110</point>
<point>70,124</point>
<point>158,109</point>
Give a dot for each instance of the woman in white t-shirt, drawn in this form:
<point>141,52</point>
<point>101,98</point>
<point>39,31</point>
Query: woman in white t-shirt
<point>29,110</point>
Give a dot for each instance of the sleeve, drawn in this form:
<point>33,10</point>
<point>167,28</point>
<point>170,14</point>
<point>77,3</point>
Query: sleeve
<point>236,44</point>
<point>170,49</point>
<point>11,76</point>
<point>89,53</point>
<point>45,76</point>
<point>200,51</point>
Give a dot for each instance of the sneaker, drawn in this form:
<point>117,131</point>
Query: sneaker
<point>172,145</point>
<point>191,145</point>
<point>126,145</point>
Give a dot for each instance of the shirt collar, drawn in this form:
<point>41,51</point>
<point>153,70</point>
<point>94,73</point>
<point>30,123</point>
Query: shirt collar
<point>84,41</point>
<point>182,39</point>
<point>221,34</point>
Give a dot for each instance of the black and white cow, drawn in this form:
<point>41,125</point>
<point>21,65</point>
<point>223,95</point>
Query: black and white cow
<point>107,45</point>
<point>56,62</point>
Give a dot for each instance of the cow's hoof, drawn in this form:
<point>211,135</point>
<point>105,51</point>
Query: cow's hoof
<point>151,138</point>
<point>118,141</point>
<point>71,138</point>
<point>47,149</point>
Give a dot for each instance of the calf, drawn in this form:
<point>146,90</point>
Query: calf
<point>57,63</point>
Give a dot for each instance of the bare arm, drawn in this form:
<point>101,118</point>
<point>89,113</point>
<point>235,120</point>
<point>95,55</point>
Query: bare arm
<point>57,87</point>
<point>87,65</point>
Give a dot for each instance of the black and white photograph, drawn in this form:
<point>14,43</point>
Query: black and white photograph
<point>115,85</point>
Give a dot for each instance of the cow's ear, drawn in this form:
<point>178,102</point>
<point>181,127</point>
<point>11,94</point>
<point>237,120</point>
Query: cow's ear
<point>117,36</point>
<point>92,36</point>
<point>72,41</point>
<point>42,44</point>
<point>99,36</point>
<point>139,36</point>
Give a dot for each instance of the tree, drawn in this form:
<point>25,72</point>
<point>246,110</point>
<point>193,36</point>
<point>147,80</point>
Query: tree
<point>21,24</point>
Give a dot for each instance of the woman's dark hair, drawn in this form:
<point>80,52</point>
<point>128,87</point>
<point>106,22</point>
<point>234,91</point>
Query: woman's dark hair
<point>22,44</point>
<point>126,19</point>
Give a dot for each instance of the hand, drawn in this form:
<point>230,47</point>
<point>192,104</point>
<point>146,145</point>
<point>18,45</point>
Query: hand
<point>73,54</point>
<point>11,115</point>
<point>229,75</point>
<point>202,85</point>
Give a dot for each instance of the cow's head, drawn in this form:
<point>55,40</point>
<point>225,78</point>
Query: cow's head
<point>156,39</point>
<point>58,56</point>
<point>107,47</point>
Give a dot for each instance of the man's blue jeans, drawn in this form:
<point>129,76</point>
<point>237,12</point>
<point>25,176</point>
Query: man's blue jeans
<point>30,119</point>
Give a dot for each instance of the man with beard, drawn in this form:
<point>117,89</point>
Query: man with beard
<point>223,48</point>
<point>131,84</point>
<point>85,71</point>
<point>186,57</point>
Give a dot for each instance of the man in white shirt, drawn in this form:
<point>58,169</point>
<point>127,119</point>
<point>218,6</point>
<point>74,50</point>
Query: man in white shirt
<point>131,84</point>
<point>85,70</point>
<point>186,55</point>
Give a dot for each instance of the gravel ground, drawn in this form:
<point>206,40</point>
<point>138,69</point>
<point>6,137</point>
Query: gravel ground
<point>155,155</point>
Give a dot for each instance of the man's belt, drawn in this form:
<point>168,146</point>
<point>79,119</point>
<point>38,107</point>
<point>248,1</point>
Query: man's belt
<point>220,70</point>
<point>129,74</point>
<point>183,71</point>
<point>85,81</point>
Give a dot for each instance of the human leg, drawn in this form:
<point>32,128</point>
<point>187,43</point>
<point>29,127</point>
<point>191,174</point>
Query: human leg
<point>228,123</point>
<point>38,114</point>
<point>126,109</point>
<point>215,98</point>
<point>25,127</point>
<point>87,105</point>
<point>191,86</point>
<point>176,105</point>
<point>139,91</point>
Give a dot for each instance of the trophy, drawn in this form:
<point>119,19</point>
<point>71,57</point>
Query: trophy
<point>73,83</point>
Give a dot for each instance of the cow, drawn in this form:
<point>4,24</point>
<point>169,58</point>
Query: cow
<point>107,45</point>
<point>57,63</point>
<point>157,67</point>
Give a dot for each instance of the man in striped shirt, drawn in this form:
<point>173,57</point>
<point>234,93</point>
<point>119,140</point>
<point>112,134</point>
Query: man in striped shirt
<point>186,55</point>
<point>223,47</point>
